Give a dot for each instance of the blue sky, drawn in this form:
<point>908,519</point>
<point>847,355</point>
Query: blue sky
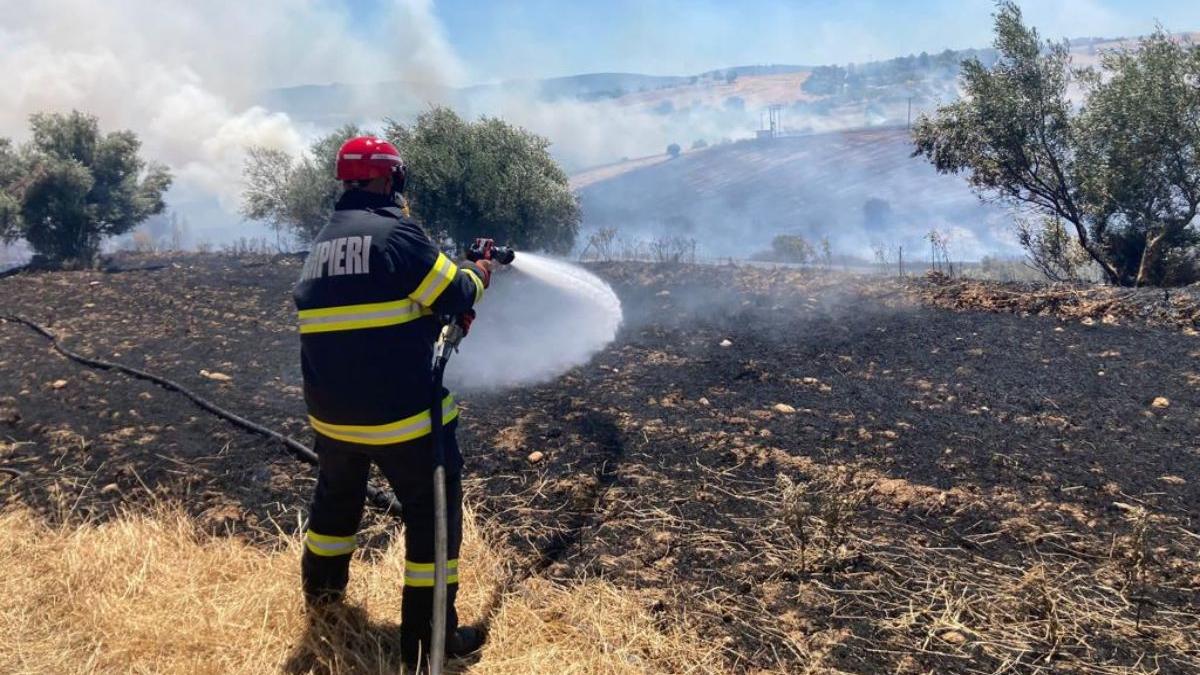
<point>500,39</point>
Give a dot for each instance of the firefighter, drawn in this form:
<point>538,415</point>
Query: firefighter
<point>369,297</point>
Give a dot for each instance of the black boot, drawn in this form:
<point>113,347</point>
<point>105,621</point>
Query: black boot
<point>462,642</point>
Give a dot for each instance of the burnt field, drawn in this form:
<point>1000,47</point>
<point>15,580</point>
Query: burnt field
<point>816,474</point>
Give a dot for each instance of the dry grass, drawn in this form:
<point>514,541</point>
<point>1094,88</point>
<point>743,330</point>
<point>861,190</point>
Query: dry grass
<point>153,594</point>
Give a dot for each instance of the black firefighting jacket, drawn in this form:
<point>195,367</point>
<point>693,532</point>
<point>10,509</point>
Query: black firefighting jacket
<point>369,296</point>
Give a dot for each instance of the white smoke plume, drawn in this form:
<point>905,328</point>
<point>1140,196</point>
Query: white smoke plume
<point>184,75</point>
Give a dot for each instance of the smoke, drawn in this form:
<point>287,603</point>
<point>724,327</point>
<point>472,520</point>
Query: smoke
<point>185,75</point>
<point>540,319</point>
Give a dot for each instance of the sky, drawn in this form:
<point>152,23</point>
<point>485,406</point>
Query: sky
<point>517,39</point>
<point>188,77</point>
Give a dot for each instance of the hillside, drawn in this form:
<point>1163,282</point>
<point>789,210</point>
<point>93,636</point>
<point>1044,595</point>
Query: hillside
<point>856,187</point>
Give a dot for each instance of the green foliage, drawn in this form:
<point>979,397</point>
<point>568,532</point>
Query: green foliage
<point>71,186</point>
<point>793,248</point>
<point>486,178</point>
<point>1053,251</point>
<point>1122,171</point>
<point>465,180</point>
<point>295,195</point>
<point>1140,137</point>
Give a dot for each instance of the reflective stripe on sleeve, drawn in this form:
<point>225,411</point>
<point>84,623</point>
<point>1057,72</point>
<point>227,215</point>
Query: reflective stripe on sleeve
<point>478,284</point>
<point>436,281</point>
<point>354,317</point>
<point>420,575</point>
<point>328,546</point>
<point>407,429</point>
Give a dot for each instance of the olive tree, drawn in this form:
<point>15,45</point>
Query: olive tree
<point>1139,137</point>
<point>294,195</point>
<point>486,178</point>
<point>1120,170</point>
<point>465,180</point>
<point>72,186</point>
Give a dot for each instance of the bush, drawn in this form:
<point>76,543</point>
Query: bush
<point>673,150</point>
<point>793,248</point>
<point>71,187</point>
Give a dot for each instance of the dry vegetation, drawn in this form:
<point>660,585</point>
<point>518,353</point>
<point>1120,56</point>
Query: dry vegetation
<point>1177,308</point>
<point>768,471</point>
<point>151,592</point>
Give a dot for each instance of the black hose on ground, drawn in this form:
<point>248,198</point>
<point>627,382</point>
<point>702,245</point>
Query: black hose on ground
<point>380,498</point>
<point>13,271</point>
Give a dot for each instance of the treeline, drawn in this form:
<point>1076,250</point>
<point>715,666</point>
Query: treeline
<point>71,186</point>
<point>856,79</point>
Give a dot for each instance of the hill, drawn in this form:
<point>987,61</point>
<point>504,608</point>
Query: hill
<point>856,187</point>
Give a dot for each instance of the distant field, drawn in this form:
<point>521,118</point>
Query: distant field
<point>734,198</point>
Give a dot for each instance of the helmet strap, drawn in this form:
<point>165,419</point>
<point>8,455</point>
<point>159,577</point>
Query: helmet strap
<point>398,189</point>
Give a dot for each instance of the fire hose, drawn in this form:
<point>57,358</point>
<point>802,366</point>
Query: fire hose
<point>380,498</point>
<point>448,341</point>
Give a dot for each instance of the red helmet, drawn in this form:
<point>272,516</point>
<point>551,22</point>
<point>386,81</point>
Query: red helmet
<point>367,157</point>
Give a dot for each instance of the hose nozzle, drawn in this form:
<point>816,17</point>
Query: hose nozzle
<point>486,249</point>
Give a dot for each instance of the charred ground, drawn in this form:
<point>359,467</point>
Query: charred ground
<point>857,481</point>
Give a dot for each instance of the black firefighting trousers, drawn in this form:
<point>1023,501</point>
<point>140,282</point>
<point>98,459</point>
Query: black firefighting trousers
<point>337,509</point>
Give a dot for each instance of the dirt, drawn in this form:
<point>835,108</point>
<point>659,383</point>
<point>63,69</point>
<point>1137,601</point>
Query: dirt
<point>857,481</point>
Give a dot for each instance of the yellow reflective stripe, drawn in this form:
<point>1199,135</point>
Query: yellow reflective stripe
<point>353,317</point>
<point>400,431</point>
<point>422,574</point>
<point>478,284</point>
<point>328,546</point>
<point>436,281</point>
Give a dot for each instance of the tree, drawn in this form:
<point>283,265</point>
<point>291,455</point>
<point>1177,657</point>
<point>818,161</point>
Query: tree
<point>792,248</point>
<point>294,194</point>
<point>1140,137</point>
<point>465,180</point>
<point>71,186</point>
<point>486,178</point>
<point>1121,170</point>
<point>673,150</point>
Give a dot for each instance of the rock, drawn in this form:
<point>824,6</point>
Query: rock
<point>783,408</point>
<point>703,401</point>
<point>58,384</point>
<point>535,456</point>
<point>9,413</point>
<point>215,376</point>
<point>726,343</point>
<point>1161,402</point>
<point>953,637</point>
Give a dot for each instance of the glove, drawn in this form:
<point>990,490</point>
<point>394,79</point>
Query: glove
<point>485,266</point>
<point>465,320</point>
